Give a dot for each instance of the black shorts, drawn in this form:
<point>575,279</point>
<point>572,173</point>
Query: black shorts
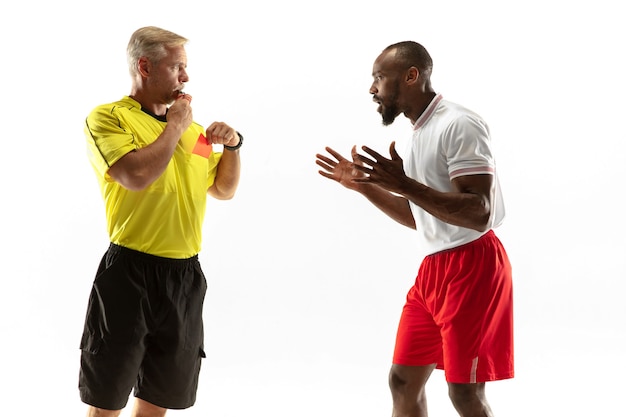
<point>143,329</point>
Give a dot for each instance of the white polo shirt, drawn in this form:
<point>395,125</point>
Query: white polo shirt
<point>449,141</point>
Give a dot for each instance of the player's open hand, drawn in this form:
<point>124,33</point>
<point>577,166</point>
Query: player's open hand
<point>377,170</point>
<point>338,168</point>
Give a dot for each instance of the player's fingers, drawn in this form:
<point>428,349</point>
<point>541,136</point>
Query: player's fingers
<point>373,153</point>
<point>326,160</point>
<point>334,153</point>
<point>392,151</point>
<point>365,160</point>
<point>326,166</point>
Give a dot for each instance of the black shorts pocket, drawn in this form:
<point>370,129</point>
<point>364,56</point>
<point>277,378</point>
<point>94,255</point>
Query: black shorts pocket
<point>90,343</point>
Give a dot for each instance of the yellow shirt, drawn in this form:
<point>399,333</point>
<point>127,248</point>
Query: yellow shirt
<point>165,219</point>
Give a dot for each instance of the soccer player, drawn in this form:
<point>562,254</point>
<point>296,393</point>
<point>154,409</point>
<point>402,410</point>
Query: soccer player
<point>458,315</point>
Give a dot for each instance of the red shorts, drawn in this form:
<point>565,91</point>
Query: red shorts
<point>459,314</point>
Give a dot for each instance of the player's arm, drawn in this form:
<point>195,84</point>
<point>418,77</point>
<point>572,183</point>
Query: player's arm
<point>342,170</point>
<point>394,206</point>
<point>141,167</point>
<point>469,205</point>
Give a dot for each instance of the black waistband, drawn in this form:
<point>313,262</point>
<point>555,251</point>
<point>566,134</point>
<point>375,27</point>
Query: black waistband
<point>152,258</point>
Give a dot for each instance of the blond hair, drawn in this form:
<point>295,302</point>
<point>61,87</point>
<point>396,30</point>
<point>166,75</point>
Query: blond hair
<point>150,42</point>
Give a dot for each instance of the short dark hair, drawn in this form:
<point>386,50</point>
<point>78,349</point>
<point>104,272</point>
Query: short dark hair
<point>413,54</point>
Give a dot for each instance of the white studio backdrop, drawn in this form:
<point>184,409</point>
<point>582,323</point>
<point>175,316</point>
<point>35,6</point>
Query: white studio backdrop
<point>306,281</point>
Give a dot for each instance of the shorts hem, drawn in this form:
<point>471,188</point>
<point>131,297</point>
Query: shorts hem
<point>169,405</point>
<point>413,362</point>
<point>479,379</point>
<point>91,400</point>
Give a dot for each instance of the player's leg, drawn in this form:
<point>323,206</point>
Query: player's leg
<point>477,324</point>
<point>145,409</point>
<point>469,400</point>
<point>417,351</point>
<point>407,385</point>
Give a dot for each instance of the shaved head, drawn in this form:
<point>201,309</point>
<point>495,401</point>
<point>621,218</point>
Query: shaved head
<point>411,54</point>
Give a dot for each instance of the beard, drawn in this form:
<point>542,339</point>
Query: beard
<point>390,111</point>
<point>389,114</point>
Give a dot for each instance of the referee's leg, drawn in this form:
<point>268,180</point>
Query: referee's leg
<point>101,412</point>
<point>141,409</point>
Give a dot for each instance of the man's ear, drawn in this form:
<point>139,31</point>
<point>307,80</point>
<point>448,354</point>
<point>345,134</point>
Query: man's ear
<point>412,75</point>
<point>144,66</point>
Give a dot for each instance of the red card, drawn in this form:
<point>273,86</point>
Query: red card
<point>203,147</point>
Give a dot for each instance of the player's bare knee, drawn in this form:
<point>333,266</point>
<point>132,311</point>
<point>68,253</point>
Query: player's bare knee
<point>466,395</point>
<point>408,380</point>
<point>397,382</point>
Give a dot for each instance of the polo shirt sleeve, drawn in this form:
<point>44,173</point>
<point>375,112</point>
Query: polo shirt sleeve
<point>467,147</point>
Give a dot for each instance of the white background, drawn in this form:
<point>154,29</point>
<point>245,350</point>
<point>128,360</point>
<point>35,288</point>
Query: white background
<point>306,280</point>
